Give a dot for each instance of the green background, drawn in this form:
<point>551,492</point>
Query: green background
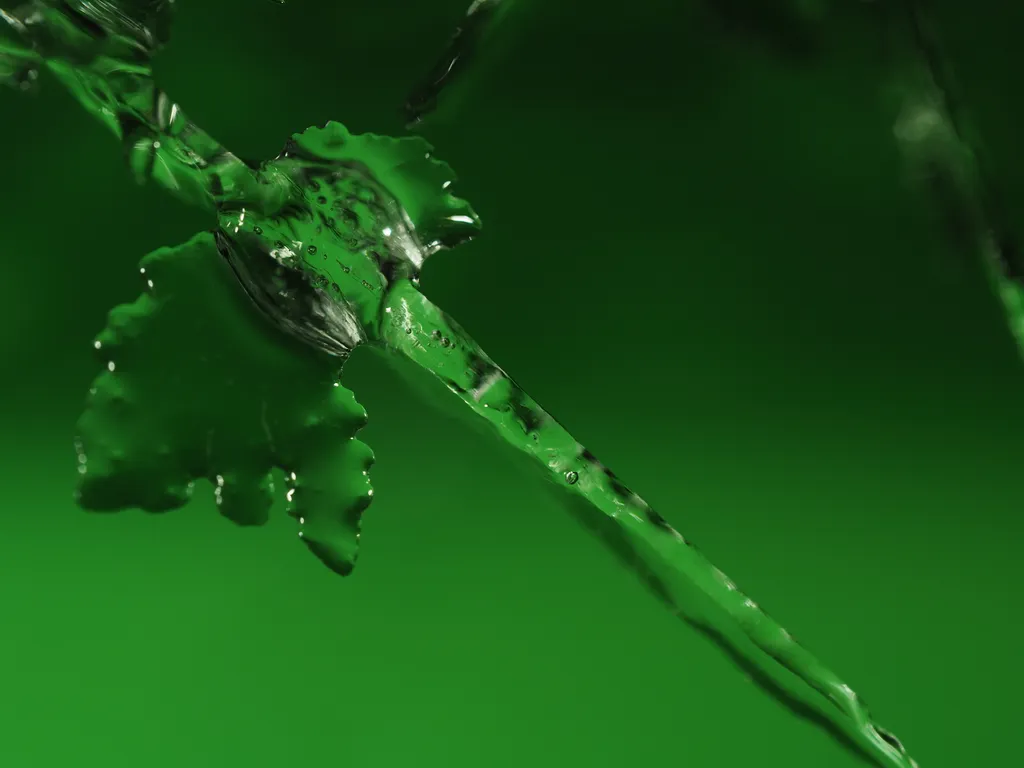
<point>679,217</point>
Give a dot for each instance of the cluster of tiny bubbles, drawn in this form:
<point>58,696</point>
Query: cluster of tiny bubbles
<point>82,458</point>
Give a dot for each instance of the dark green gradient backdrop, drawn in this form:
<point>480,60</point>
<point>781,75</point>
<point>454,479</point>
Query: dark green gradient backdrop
<point>700,256</point>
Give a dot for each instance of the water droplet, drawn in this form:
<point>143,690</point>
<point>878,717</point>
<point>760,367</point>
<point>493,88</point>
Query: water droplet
<point>311,250</point>
<point>446,342</point>
<point>257,230</point>
<point>571,477</point>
